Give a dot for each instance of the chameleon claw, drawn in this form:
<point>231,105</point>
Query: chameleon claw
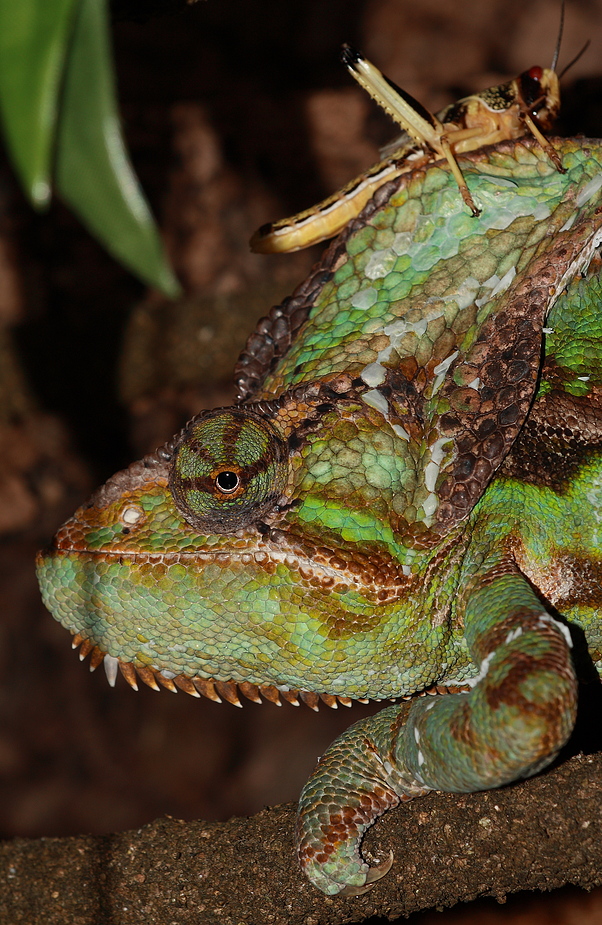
<point>380,870</point>
<point>374,874</point>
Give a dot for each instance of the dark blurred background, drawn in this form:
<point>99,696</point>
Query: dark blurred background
<point>236,114</point>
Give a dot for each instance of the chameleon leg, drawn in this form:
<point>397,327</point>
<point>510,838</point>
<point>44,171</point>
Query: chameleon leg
<point>513,722</point>
<point>354,783</point>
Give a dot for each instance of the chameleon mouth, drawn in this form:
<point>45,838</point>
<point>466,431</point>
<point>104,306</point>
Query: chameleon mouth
<point>212,689</point>
<point>326,567</point>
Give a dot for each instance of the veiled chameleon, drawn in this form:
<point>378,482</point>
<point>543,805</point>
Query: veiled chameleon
<point>407,494</point>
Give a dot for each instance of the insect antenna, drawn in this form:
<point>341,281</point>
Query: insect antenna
<point>575,59</point>
<point>559,39</point>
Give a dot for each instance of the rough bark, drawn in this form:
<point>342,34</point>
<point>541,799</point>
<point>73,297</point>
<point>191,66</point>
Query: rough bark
<point>535,835</point>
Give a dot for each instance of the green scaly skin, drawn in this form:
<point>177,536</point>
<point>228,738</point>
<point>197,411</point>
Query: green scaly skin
<point>407,495</point>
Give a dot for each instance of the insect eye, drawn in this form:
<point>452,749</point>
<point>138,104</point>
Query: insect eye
<point>531,89</point>
<point>227,481</point>
<point>535,73</point>
<point>229,470</point>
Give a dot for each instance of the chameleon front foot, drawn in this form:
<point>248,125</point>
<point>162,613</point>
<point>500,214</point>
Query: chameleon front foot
<point>344,874</point>
<point>351,787</point>
<point>329,840</point>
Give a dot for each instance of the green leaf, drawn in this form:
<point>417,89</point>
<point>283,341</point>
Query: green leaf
<point>34,38</point>
<point>93,172</point>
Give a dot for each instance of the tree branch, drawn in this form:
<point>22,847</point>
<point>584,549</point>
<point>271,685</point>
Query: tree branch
<point>535,835</point>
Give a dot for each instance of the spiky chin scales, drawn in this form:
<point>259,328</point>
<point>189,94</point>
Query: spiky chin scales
<point>218,691</point>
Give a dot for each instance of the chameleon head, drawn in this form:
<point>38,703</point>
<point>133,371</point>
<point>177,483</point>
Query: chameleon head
<point>145,569</point>
<point>194,568</point>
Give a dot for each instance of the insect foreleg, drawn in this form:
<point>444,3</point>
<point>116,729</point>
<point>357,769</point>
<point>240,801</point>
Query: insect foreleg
<point>458,175</point>
<point>543,141</point>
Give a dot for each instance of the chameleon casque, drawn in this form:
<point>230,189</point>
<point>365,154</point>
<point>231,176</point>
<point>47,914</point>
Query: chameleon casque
<point>407,495</point>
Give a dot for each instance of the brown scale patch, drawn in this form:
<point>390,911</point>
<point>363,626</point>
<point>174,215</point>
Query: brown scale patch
<point>586,585</point>
<point>560,434</point>
<point>496,636</point>
<point>569,581</point>
<point>347,822</point>
<point>508,690</point>
<point>377,578</point>
<point>398,723</point>
<point>150,572</point>
<point>343,624</point>
<point>503,567</point>
<point>461,726</point>
<point>552,711</point>
<point>449,689</point>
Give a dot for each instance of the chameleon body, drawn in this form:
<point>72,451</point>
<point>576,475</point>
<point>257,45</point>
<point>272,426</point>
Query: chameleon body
<point>407,495</point>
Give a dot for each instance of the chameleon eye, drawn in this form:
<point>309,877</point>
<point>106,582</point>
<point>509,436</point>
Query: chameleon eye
<point>229,469</point>
<point>227,482</point>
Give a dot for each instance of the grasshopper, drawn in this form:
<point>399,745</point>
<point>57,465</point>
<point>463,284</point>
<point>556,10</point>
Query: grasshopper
<point>528,103</point>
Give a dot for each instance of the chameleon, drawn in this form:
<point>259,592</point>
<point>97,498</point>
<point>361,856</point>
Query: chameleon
<point>405,498</point>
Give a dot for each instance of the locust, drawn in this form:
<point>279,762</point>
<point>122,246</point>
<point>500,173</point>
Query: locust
<point>528,104</point>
